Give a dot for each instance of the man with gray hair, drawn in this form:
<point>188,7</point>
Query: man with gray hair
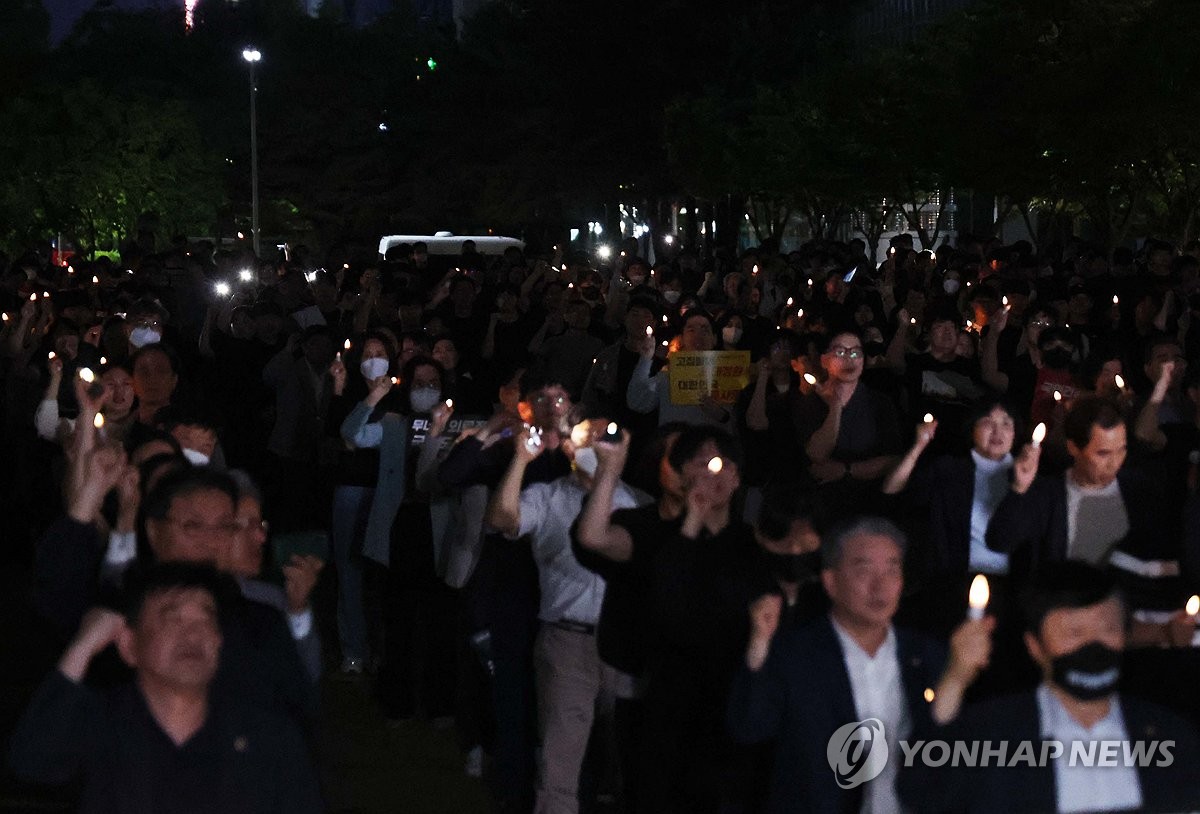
<point>801,687</point>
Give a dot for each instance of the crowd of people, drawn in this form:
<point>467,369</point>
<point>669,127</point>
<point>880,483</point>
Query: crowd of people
<point>623,597</point>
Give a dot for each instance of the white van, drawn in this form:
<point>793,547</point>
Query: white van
<point>448,243</point>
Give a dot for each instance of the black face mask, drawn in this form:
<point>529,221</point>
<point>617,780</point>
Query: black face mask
<point>873,348</point>
<point>1057,358</point>
<point>1089,673</point>
<point>793,567</point>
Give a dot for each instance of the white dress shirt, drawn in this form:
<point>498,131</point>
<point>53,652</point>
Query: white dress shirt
<point>570,592</point>
<point>1082,787</point>
<point>878,693</point>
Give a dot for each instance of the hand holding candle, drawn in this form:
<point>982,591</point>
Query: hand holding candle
<point>1039,434</point>
<point>715,465</point>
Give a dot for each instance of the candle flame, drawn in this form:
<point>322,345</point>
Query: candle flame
<point>50,355</point>
<point>1193,606</point>
<point>612,428</point>
<point>649,331</point>
<point>95,280</point>
<point>449,404</point>
<point>1057,396</point>
<point>87,375</point>
<point>716,465</point>
<point>810,378</point>
<point>929,418</point>
<point>1116,300</point>
<point>395,380</point>
<point>1039,433</point>
<point>929,695</point>
<point>98,421</point>
<point>346,344</point>
<point>980,593</point>
<point>1004,301</point>
<point>789,302</point>
<point>1120,382</point>
<point>103,360</point>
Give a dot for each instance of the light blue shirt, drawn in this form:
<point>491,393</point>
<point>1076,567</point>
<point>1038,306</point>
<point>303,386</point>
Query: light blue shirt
<point>991,485</point>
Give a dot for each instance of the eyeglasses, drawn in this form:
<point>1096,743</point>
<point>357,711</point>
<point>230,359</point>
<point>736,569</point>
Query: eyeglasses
<point>557,401</point>
<point>195,528</point>
<point>246,525</point>
<point>847,353</point>
<point>1040,323</point>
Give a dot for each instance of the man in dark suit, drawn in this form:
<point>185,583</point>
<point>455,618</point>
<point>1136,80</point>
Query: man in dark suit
<point>1076,634</point>
<point>807,685</point>
<point>1097,512</point>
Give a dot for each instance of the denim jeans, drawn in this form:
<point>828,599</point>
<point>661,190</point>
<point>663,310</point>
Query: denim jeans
<point>351,507</point>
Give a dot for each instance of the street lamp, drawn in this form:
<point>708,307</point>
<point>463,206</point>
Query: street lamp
<point>252,56</point>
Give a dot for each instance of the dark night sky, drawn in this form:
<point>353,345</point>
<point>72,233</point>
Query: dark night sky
<point>64,13</point>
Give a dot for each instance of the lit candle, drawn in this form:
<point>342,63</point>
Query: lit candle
<point>87,375</point>
<point>5,316</point>
<point>970,325</point>
<point>449,404</point>
<point>1116,300</point>
<point>103,361</point>
<point>929,418</point>
<point>800,314</point>
<point>395,380</point>
<point>912,321</point>
<point>50,356</point>
<point>665,320</point>
<point>1004,301</point>
<point>95,280</point>
<point>1039,434</point>
<point>612,428</point>
<point>929,695</point>
<point>810,379</point>
<point>754,270</point>
<point>1057,396</point>
<point>715,465</point>
<point>33,297</point>
<point>790,302</point>
<point>977,597</point>
<point>1119,381</point>
<point>1192,608</point>
<point>98,421</point>
<point>649,330</point>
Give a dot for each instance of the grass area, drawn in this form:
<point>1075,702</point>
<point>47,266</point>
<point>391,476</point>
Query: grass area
<point>369,766</point>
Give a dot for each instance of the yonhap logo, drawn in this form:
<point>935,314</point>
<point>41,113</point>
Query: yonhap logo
<point>857,752</point>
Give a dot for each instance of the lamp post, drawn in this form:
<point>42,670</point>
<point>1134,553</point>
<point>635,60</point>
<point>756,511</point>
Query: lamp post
<point>253,56</point>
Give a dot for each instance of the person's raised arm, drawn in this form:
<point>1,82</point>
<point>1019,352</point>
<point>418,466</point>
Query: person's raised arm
<point>989,356</point>
<point>970,651</point>
<point>595,531</point>
<point>1146,428</point>
<point>504,509</point>
<point>100,628</point>
<point>899,343</point>
<point>756,411</point>
<point>642,393</point>
<point>357,429</point>
<point>897,479</point>
<point>821,443</point>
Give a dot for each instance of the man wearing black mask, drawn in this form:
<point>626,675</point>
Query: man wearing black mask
<point>1076,633</point>
<point>787,531</point>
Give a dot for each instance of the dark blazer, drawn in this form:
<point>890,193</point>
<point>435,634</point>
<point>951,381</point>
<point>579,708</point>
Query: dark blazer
<point>300,406</point>
<point>1031,789</point>
<point>1032,528</point>
<point>802,695</point>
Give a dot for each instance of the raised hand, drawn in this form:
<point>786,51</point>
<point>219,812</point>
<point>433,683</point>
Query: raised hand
<point>1025,468</point>
<point>299,579</point>
<point>611,456</point>
<point>440,417</point>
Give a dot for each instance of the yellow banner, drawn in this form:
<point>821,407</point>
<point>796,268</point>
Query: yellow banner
<point>721,374</point>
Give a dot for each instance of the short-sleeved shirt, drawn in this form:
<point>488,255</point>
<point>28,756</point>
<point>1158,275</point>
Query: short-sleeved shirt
<point>570,592</point>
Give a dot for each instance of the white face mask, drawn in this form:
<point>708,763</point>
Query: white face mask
<point>424,399</point>
<point>142,336</point>
<point>586,460</point>
<point>373,368</point>
<point>950,286</point>
<point>731,335</point>
<point>195,457</point>
<point>672,296</point>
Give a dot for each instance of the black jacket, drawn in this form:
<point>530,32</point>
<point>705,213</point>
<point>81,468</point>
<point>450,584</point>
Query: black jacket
<point>799,699</point>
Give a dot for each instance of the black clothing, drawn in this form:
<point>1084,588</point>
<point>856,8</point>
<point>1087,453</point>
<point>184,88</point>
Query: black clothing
<point>243,760</point>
